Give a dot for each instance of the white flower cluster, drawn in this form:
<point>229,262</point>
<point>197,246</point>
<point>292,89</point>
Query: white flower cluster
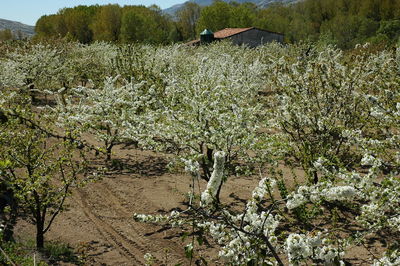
<point>391,259</point>
<point>300,247</point>
<point>111,112</point>
<point>324,190</point>
<point>340,193</point>
<point>297,199</point>
<point>394,222</point>
<point>41,66</point>
<point>369,160</point>
<point>173,218</point>
<point>192,167</point>
<point>242,242</point>
<point>381,210</point>
<point>209,101</point>
<point>149,259</point>
<point>241,236</point>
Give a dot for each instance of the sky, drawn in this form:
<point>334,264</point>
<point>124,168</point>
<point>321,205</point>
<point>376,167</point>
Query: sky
<point>29,11</point>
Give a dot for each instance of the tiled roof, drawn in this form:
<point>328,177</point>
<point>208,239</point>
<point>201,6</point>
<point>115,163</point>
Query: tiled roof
<point>222,34</point>
<point>228,32</point>
<point>193,42</point>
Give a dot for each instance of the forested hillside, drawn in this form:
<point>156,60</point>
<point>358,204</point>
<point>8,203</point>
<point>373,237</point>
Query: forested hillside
<point>340,22</point>
<point>260,3</point>
<point>14,30</point>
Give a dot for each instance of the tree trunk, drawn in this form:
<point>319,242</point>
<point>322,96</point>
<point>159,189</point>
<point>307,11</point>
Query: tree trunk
<point>210,156</point>
<point>109,149</point>
<point>206,171</point>
<point>207,163</point>
<point>39,235</point>
<point>315,176</point>
<point>31,87</point>
<point>39,217</point>
<point>3,117</point>
<point>218,193</point>
<point>8,234</point>
<point>8,219</point>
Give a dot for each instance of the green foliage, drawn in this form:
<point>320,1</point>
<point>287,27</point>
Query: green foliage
<point>18,254</point>
<point>56,252</point>
<point>24,253</point>
<point>188,16</point>
<point>282,188</point>
<point>40,174</point>
<point>343,23</point>
<point>346,22</point>
<point>390,29</point>
<point>243,16</point>
<point>222,15</point>
<point>131,26</point>
<point>189,251</point>
<point>108,23</point>
<point>6,35</point>
<point>214,17</point>
<point>75,22</point>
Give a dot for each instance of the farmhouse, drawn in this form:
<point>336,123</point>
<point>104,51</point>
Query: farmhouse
<point>251,37</point>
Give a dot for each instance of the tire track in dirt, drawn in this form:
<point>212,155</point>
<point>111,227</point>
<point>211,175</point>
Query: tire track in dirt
<point>122,211</point>
<point>126,247</point>
<point>120,218</point>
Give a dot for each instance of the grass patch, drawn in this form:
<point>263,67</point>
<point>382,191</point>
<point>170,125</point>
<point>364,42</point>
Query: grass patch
<point>57,252</point>
<point>18,254</point>
<point>25,254</point>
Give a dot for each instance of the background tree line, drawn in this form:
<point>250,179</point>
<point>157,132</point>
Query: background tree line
<point>108,23</point>
<point>7,35</point>
<point>340,22</point>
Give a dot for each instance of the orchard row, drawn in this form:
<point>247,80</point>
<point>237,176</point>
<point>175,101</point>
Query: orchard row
<point>222,111</point>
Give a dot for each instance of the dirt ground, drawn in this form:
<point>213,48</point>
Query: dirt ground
<point>99,220</point>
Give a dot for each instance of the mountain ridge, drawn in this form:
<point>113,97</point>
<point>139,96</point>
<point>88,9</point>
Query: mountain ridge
<point>16,26</point>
